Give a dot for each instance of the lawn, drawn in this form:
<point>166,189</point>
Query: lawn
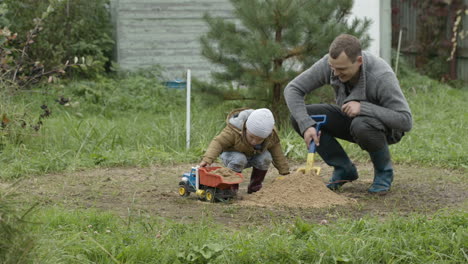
<point>100,175</point>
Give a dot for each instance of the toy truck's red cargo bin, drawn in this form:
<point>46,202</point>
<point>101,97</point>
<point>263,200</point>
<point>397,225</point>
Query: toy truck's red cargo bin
<point>217,181</point>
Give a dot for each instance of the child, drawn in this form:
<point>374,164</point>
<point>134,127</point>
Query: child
<point>248,140</point>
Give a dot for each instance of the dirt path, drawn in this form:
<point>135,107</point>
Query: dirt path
<point>153,191</point>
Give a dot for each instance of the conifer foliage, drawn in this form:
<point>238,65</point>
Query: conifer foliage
<point>269,42</point>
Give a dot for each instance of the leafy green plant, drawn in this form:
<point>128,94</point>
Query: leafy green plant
<point>17,68</point>
<point>206,253</point>
<point>79,28</point>
<point>19,122</point>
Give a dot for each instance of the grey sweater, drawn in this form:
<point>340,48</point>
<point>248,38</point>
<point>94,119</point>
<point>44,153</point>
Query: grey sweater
<point>377,90</point>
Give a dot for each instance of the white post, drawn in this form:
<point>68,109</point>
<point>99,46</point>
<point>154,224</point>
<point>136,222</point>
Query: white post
<point>197,179</point>
<point>187,124</point>
<point>398,53</point>
<point>386,31</point>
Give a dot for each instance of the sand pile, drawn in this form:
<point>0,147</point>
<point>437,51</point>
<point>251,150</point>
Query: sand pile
<point>296,190</point>
<point>227,174</point>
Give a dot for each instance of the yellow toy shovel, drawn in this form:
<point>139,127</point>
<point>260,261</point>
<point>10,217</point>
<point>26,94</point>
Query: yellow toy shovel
<point>320,120</point>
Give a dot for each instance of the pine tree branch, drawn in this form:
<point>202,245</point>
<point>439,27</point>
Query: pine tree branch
<point>295,52</point>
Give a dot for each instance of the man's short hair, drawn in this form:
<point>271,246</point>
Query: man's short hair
<point>347,43</point>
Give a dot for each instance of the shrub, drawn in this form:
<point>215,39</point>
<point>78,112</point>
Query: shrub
<point>79,28</point>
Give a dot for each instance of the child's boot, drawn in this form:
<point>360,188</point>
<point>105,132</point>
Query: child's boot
<point>235,188</point>
<point>256,180</point>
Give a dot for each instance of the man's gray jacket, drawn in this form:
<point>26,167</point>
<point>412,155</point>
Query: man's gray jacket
<point>377,90</point>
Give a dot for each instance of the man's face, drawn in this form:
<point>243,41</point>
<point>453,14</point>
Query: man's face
<point>343,68</point>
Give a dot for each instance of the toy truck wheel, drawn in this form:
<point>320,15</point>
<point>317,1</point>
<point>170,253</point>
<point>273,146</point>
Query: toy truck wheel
<point>183,191</point>
<point>210,195</point>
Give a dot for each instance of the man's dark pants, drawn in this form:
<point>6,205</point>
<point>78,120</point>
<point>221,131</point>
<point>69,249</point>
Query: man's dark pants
<point>368,132</point>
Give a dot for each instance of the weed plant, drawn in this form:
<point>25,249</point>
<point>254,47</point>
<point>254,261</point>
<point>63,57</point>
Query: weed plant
<point>15,243</point>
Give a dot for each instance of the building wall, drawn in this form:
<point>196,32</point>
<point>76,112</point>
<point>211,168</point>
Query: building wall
<point>167,32</point>
<point>164,32</point>
<point>369,9</point>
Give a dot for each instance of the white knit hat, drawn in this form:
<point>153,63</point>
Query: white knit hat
<point>260,122</point>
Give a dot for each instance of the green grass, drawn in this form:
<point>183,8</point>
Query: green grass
<point>114,125</point>
<point>137,122</point>
<point>88,236</point>
<point>440,123</point>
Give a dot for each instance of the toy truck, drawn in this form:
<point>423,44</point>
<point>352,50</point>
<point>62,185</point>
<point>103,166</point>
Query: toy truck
<point>207,185</point>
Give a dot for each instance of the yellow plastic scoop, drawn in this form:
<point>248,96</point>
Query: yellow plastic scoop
<point>320,120</point>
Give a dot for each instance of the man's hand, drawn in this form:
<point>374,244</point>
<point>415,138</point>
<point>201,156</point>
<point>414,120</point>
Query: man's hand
<point>352,108</point>
<point>311,134</point>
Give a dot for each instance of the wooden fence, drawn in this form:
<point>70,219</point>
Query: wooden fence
<point>406,17</point>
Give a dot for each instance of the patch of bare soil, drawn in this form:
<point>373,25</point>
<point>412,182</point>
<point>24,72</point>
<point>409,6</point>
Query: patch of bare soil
<point>153,191</point>
<point>297,190</point>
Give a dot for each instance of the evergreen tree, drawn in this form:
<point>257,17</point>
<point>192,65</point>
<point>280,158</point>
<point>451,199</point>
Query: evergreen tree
<point>272,41</point>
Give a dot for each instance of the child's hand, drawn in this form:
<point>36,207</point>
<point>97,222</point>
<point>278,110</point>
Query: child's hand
<point>279,178</point>
<point>203,164</point>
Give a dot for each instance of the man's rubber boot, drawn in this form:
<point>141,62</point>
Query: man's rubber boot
<point>256,180</point>
<point>334,155</point>
<point>383,171</point>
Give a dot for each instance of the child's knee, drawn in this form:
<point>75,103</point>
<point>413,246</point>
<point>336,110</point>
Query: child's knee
<point>235,161</point>
<point>262,161</point>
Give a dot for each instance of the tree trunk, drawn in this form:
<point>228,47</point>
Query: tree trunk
<point>277,87</point>
<point>276,102</point>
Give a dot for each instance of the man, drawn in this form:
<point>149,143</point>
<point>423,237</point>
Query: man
<point>370,110</point>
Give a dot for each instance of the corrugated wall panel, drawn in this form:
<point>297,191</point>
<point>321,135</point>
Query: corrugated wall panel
<point>165,33</point>
<point>462,54</point>
<point>407,19</point>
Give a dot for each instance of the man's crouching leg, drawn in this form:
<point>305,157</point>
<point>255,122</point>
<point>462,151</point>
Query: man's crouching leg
<point>371,136</point>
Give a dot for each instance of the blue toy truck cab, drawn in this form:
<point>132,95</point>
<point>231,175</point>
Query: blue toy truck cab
<point>191,178</point>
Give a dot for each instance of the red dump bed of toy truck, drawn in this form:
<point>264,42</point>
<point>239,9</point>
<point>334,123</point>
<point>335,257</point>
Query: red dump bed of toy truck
<point>217,181</point>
